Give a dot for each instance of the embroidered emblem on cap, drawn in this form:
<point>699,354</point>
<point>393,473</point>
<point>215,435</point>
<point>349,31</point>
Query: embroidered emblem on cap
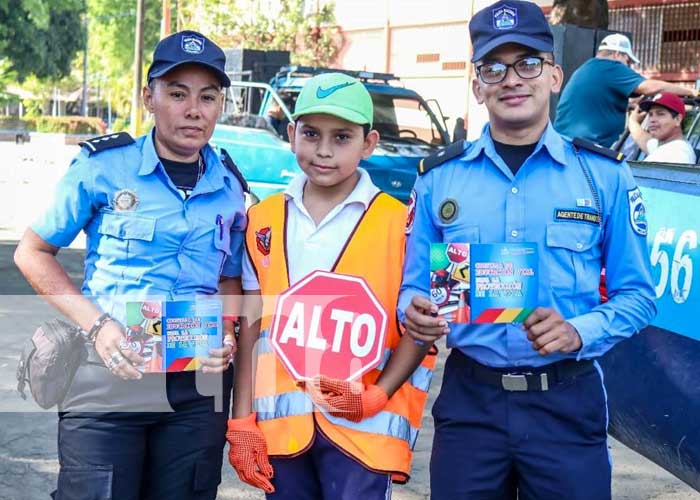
<point>192,44</point>
<point>125,200</point>
<point>448,210</point>
<point>263,239</point>
<point>505,17</point>
<point>411,216</point>
<point>638,213</point>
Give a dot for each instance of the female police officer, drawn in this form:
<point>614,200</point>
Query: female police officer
<point>163,218</point>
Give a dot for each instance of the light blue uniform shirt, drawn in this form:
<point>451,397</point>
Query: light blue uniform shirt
<point>164,247</point>
<point>494,206</point>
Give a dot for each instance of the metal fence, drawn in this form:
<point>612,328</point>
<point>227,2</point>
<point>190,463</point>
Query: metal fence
<point>665,37</point>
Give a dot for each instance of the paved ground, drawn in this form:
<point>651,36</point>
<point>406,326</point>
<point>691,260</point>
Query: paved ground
<point>28,465</point>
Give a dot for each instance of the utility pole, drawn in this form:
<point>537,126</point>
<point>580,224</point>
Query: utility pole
<point>165,23</point>
<point>84,103</point>
<point>138,67</point>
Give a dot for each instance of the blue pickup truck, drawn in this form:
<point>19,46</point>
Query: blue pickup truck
<point>252,129</point>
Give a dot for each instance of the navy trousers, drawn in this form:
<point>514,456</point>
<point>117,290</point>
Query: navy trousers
<point>493,444</point>
<point>324,472</point>
<point>159,455</point>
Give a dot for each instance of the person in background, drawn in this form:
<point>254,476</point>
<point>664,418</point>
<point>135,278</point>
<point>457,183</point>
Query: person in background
<point>663,140</point>
<point>594,102</point>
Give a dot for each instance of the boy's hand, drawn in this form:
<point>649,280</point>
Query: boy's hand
<point>350,400</point>
<point>422,322</point>
<point>248,453</point>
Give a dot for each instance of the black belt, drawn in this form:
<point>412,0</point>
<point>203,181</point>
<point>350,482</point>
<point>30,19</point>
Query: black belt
<point>541,378</point>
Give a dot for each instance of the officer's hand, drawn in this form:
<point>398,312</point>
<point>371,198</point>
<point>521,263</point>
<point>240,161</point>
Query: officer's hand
<point>114,350</point>
<point>550,333</point>
<point>219,359</point>
<point>421,324</point>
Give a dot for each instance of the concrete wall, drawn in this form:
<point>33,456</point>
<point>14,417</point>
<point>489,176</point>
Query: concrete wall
<point>425,43</point>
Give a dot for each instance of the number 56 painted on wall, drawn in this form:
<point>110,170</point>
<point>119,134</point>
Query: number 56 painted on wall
<point>679,267</point>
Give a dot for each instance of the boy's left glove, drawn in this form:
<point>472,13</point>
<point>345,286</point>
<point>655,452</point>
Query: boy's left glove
<point>350,400</point>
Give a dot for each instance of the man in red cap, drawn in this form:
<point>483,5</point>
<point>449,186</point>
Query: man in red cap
<point>663,140</point>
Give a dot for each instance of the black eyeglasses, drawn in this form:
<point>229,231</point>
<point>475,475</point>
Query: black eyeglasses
<point>526,68</point>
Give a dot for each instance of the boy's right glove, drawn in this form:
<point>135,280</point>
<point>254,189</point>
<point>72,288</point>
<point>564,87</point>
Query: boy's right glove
<point>248,453</point>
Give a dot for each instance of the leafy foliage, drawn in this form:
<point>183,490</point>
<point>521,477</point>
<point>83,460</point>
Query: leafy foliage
<point>587,13</point>
<point>111,29</point>
<point>312,37</point>
<point>41,41</point>
<point>41,37</point>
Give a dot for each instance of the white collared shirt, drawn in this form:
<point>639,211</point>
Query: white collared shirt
<point>311,247</point>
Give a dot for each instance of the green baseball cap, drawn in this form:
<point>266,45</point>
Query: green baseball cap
<point>335,94</point>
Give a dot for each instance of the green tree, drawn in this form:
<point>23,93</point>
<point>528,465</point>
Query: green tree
<point>312,38</point>
<point>41,37</point>
<point>111,46</point>
<point>587,13</point>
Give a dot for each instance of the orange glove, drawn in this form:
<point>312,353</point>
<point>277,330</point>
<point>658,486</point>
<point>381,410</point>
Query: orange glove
<point>350,400</point>
<point>248,453</point>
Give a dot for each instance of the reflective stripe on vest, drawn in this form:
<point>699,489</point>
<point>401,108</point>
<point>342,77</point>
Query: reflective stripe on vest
<point>288,404</point>
<point>385,422</point>
<point>298,403</point>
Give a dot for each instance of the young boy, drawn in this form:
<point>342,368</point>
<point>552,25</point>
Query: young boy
<point>357,437</point>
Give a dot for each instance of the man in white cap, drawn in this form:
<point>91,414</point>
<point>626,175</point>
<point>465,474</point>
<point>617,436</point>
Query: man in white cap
<point>594,102</point>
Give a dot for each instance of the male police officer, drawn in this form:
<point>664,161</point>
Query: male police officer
<point>164,218</point>
<point>522,410</point>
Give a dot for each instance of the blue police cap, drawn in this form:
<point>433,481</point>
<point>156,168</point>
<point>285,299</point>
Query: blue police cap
<point>513,21</point>
<point>188,47</point>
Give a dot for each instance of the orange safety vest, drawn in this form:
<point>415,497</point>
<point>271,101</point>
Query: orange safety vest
<point>285,413</point>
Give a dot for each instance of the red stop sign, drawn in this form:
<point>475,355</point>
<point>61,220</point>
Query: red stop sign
<point>329,324</point>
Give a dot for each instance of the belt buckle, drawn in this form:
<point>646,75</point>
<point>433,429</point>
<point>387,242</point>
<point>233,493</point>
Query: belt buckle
<point>514,382</point>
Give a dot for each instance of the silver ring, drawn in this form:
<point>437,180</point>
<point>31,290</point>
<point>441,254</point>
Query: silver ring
<point>111,364</point>
<point>116,358</point>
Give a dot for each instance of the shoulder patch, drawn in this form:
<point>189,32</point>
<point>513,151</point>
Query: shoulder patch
<point>452,151</point>
<point>603,151</point>
<point>105,142</point>
<point>226,160</point>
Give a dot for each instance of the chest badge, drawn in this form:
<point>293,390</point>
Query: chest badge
<point>125,200</point>
<point>448,210</point>
<point>263,238</point>
<point>411,214</point>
